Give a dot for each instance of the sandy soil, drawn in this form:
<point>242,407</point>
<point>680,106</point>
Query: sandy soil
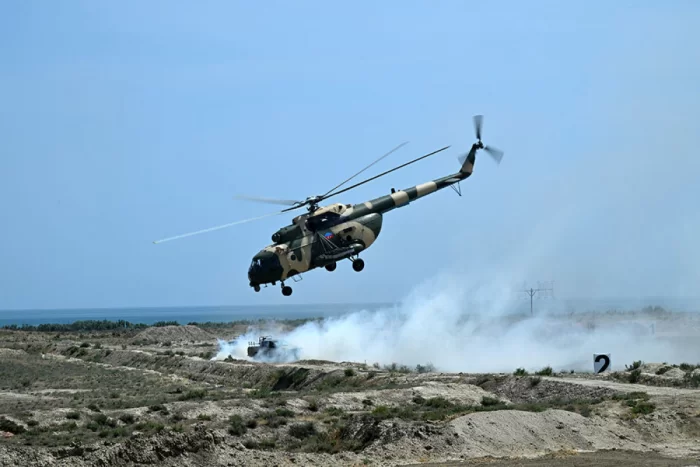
<point>174,334</point>
<point>585,459</point>
<point>156,397</point>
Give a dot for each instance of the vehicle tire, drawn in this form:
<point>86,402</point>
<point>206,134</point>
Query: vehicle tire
<point>331,267</point>
<point>286,291</point>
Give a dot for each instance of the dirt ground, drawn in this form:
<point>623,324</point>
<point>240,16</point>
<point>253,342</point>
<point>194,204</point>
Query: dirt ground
<point>155,396</point>
<point>586,459</point>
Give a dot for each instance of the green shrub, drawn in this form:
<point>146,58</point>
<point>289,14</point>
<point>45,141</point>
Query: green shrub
<point>10,426</point>
<point>236,426</point>
<point>643,408</point>
<point>634,376</point>
<point>488,401</point>
<point>313,405</point>
<point>334,411</point>
<point>127,418</point>
<point>193,394</point>
<point>302,430</point>
<point>283,412</point>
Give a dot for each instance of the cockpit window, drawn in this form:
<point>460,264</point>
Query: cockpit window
<point>322,221</point>
<point>266,262</point>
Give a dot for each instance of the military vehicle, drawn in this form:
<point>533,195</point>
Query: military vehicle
<point>331,233</point>
<point>271,349</point>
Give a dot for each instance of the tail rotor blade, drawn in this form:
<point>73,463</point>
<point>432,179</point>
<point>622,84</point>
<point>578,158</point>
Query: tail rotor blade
<point>497,154</point>
<point>462,157</point>
<point>478,119</point>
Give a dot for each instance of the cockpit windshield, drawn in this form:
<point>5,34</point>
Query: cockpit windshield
<point>265,262</point>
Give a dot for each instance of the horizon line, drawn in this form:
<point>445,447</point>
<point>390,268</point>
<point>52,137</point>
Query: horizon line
<point>146,307</point>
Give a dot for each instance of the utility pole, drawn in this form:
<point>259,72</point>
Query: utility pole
<point>541,287</point>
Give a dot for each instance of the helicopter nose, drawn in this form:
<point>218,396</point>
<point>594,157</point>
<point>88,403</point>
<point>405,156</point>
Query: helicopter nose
<point>264,268</point>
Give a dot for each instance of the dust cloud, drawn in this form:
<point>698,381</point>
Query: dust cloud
<point>478,328</point>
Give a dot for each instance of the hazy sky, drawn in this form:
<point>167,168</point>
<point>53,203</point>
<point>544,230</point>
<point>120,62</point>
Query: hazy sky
<point>127,122</point>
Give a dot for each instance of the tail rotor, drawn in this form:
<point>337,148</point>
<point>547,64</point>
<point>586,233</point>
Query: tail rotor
<point>495,153</point>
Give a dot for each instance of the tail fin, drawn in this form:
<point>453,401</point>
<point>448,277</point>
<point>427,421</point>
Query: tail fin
<point>468,161</point>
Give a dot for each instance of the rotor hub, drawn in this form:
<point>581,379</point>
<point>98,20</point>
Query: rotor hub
<point>312,202</point>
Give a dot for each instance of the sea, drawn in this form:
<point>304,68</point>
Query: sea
<point>228,313</point>
<point>183,315</point>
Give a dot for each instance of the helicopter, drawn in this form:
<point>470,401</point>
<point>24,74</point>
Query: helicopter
<point>328,234</point>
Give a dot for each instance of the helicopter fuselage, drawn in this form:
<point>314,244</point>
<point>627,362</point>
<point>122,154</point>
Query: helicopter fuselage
<point>335,232</point>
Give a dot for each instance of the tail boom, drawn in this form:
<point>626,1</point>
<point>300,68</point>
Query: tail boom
<point>400,198</point>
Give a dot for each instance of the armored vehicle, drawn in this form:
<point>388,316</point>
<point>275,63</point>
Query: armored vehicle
<point>272,350</point>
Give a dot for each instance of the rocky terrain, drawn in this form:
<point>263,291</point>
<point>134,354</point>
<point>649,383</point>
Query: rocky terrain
<point>123,397</point>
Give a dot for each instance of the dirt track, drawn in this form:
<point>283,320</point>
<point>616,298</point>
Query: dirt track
<point>588,459</point>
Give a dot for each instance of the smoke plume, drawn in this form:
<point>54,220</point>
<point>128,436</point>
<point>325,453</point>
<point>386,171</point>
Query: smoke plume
<point>461,328</point>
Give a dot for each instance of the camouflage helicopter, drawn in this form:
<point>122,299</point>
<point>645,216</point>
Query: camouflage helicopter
<point>328,234</point>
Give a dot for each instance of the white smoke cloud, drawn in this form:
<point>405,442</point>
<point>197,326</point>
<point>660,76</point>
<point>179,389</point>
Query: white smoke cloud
<point>460,325</point>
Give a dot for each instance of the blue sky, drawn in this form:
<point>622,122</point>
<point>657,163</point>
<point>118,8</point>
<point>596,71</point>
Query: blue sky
<point>127,122</point>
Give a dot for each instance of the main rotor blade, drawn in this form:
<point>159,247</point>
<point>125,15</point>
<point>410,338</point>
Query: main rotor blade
<point>286,202</point>
<point>219,227</point>
<point>382,174</point>
<point>358,173</point>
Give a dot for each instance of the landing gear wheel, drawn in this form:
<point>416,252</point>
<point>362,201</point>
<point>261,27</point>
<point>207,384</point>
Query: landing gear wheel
<point>358,265</point>
<point>330,267</point>
<point>286,291</point>
<point>256,287</point>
